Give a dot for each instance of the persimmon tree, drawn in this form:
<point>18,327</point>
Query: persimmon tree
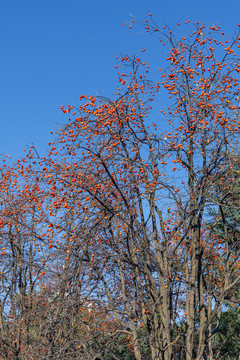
<point>45,307</point>
<point>21,269</point>
<point>141,193</point>
<point>120,205</point>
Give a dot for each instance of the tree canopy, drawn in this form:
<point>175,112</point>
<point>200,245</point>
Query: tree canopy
<point>123,241</point>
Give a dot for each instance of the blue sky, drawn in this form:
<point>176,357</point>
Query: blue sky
<point>52,51</point>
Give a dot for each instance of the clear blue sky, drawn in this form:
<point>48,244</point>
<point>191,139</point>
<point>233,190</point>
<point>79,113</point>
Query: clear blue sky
<point>52,51</point>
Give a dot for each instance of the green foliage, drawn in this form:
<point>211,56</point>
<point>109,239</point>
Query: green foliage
<point>226,343</point>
